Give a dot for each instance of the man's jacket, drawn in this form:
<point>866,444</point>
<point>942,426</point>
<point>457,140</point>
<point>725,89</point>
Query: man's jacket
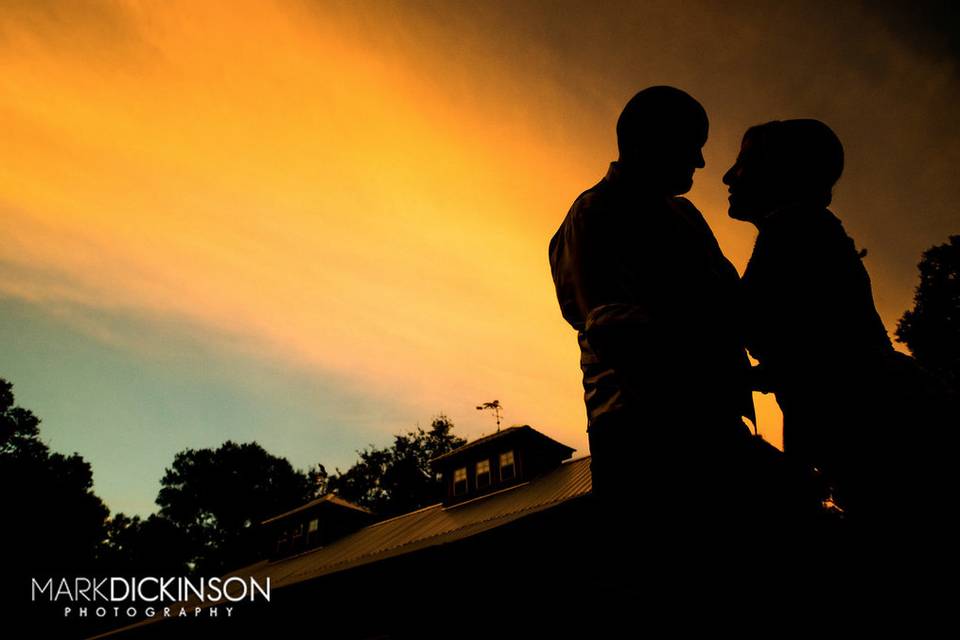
<point>654,302</point>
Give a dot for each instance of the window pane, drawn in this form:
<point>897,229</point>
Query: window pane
<point>483,474</point>
<point>460,481</point>
<point>507,468</point>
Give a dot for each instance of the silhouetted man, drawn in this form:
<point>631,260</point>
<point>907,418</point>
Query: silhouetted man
<point>640,276</point>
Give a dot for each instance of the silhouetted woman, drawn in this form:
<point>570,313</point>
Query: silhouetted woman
<point>853,407</point>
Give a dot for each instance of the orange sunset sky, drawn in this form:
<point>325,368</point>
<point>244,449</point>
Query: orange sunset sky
<point>316,224</point>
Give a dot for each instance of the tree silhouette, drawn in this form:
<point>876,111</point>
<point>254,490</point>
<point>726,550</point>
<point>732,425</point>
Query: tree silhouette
<point>398,479</point>
<point>931,330</point>
<point>216,497</point>
<point>154,546</point>
<point>212,499</point>
<point>53,523</point>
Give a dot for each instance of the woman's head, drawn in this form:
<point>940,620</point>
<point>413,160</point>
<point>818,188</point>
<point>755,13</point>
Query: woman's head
<point>784,162</point>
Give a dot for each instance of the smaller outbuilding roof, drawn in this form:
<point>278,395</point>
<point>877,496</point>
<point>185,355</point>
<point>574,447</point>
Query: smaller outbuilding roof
<point>330,498</point>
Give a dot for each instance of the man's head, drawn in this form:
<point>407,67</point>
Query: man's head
<point>660,135</point>
<point>784,162</point>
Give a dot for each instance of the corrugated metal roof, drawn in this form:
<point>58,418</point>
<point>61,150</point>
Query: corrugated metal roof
<point>429,526</point>
<point>330,497</point>
<point>420,529</point>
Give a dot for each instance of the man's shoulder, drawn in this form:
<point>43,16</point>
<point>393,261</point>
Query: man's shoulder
<point>690,212</point>
<point>587,211</point>
<point>686,206</point>
<point>596,197</point>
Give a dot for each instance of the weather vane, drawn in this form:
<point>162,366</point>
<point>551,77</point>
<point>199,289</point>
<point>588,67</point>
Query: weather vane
<point>494,406</point>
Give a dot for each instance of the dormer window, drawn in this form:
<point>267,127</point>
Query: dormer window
<point>483,474</point>
<point>499,460</point>
<point>508,470</point>
<point>300,528</point>
<point>460,481</point>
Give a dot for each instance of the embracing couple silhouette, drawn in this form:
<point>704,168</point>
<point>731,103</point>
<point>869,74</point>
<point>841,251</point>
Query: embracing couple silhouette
<point>665,323</point>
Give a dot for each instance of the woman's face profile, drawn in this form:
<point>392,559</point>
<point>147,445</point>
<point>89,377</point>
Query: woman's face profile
<point>749,183</point>
<point>782,163</point>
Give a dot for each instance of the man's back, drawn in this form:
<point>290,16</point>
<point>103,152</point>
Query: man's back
<point>643,281</point>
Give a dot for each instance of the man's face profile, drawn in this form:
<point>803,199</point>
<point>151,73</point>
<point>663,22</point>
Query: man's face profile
<point>687,159</point>
<point>673,161</point>
<point>667,163</point>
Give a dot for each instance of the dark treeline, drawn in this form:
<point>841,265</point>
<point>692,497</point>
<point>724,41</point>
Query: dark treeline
<point>211,500</point>
<point>209,505</point>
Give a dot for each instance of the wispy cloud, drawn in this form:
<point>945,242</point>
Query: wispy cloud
<point>289,185</point>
